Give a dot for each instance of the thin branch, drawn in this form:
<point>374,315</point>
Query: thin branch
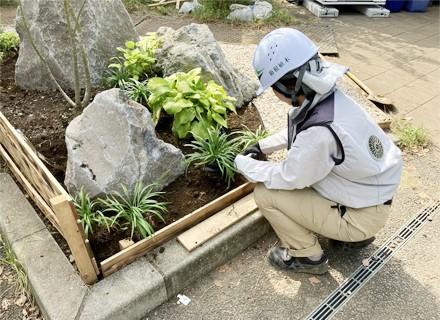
<point>32,42</point>
<point>78,16</point>
<point>84,57</point>
<point>72,37</point>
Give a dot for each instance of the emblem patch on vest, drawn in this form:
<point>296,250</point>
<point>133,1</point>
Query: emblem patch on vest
<point>375,147</point>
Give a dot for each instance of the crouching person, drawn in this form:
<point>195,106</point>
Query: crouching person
<point>341,171</point>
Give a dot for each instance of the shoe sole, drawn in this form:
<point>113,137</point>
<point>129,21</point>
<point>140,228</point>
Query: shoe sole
<point>351,246</point>
<point>321,269</point>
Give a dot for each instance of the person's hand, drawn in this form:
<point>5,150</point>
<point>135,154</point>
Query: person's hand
<point>254,152</point>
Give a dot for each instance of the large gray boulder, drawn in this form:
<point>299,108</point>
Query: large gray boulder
<point>112,142</point>
<point>194,46</point>
<point>106,25</point>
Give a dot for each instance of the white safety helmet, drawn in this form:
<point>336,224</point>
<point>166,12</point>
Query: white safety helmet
<point>279,52</point>
<point>287,52</point>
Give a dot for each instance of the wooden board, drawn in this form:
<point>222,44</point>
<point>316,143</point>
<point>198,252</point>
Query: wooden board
<point>42,187</point>
<point>74,235</point>
<point>140,248</point>
<point>209,228</point>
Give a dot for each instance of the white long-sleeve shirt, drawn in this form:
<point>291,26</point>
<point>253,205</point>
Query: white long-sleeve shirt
<point>369,174</point>
<point>307,162</point>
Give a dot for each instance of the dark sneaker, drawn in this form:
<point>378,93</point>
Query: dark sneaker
<point>279,257</point>
<point>350,246</point>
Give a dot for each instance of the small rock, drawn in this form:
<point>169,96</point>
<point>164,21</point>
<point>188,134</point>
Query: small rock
<point>189,7</point>
<point>71,258</point>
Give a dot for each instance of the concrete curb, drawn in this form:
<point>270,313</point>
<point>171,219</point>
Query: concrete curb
<point>56,286</point>
<point>127,294</point>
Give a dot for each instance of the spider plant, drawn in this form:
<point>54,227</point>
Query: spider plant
<point>246,138</point>
<point>88,213</point>
<point>217,151</point>
<point>117,75</point>
<point>137,90</point>
<point>136,210</point>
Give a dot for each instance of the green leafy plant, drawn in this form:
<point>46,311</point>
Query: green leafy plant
<point>410,137</point>
<point>196,106</point>
<point>136,210</point>
<point>9,42</point>
<point>117,75</point>
<point>137,90</point>
<point>216,152</point>
<point>138,57</point>
<point>89,215</point>
<point>247,137</point>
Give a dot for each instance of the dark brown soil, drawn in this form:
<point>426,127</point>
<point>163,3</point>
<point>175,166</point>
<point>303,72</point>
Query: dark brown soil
<point>43,118</point>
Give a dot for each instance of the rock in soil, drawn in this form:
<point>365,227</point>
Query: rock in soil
<point>113,142</point>
<point>105,25</point>
<point>194,46</point>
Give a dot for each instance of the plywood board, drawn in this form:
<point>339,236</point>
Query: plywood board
<point>202,232</point>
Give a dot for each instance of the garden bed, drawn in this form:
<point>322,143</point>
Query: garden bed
<point>43,117</point>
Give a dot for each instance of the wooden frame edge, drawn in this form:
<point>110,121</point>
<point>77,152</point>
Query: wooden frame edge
<point>126,256</point>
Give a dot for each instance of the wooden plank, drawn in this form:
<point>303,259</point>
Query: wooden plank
<point>209,228</point>
<point>38,200</point>
<point>177,4</point>
<point>124,257</point>
<point>24,154</point>
<point>73,233</point>
<point>161,3</point>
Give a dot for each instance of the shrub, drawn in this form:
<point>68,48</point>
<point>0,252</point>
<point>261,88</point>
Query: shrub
<point>136,210</point>
<point>217,152</point>
<point>9,42</point>
<point>89,215</point>
<point>138,58</point>
<point>196,106</point>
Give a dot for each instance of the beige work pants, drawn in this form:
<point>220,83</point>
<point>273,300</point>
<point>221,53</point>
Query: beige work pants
<point>296,215</point>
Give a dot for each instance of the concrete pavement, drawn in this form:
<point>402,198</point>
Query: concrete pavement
<point>398,57</point>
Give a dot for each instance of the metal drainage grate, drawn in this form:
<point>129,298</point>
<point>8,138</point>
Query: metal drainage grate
<point>338,298</point>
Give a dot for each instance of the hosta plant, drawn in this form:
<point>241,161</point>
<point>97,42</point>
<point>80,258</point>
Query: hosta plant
<point>196,106</point>
<point>138,57</point>
<point>136,210</point>
<point>90,216</point>
<point>247,137</point>
<point>218,152</point>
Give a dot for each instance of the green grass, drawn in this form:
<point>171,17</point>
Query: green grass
<point>91,218</point>
<point>137,210</point>
<point>411,138</point>
<point>217,152</point>
<point>11,260</point>
<point>8,2</point>
<point>132,5</point>
<point>247,137</point>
